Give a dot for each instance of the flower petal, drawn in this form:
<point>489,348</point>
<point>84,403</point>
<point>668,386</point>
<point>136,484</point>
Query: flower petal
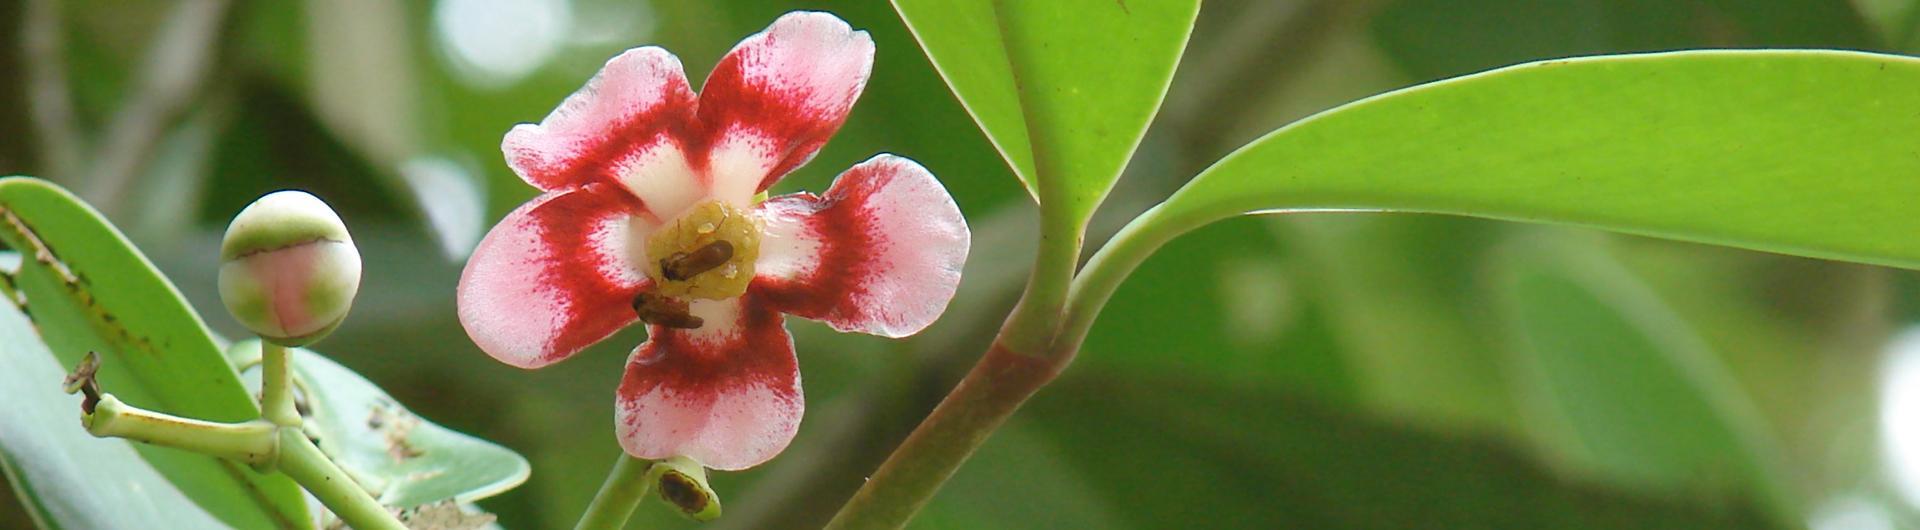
<point>776,98</point>
<point>555,276</point>
<point>880,253</point>
<point>726,394</point>
<point>619,128</point>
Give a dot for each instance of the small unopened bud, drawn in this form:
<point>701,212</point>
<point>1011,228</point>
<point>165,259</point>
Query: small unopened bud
<point>288,269</point>
<point>683,484</point>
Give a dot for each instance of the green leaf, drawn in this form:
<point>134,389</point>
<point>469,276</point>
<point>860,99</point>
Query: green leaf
<point>1064,89</point>
<point>1614,382</point>
<point>65,477</point>
<point>1798,152</point>
<point>87,289</point>
<point>404,459</point>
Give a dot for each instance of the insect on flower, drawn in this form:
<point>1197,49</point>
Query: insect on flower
<point>649,213</point>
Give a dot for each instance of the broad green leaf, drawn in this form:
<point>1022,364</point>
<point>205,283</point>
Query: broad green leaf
<point>1064,89</point>
<point>66,478</point>
<point>1613,381</point>
<point>1798,152</point>
<point>87,289</point>
<point>403,459</point>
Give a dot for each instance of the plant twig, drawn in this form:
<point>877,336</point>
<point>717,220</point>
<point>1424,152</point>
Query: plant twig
<point>49,94</point>
<point>996,387</point>
<point>304,462</point>
<point>168,84</point>
<point>252,442</point>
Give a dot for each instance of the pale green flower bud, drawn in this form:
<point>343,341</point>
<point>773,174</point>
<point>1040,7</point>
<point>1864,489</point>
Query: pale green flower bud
<point>683,485</point>
<point>288,269</point>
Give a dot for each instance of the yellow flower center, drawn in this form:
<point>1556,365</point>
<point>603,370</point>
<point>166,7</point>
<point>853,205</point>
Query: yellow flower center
<point>708,252</point>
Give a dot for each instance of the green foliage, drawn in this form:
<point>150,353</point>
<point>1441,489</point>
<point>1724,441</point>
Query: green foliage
<point>404,459</point>
<point>65,477</point>
<point>1606,373</point>
<point>1176,452</point>
<point>87,289</point>
<point>1064,89</point>
<point>1740,148</point>
<point>1433,39</point>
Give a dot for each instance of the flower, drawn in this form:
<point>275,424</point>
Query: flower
<point>650,213</point>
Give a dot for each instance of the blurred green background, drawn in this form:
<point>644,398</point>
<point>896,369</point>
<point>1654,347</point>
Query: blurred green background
<point>1314,371</point>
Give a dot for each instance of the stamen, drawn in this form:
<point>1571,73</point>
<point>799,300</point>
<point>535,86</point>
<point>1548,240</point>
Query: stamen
<point>665,311</point>
<point>706,253</point>
<point>684,265</point>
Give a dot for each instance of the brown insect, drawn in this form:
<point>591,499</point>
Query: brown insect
<point>683,265</point>
<point>665,311</point>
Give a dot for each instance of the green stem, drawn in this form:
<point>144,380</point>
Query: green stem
<point>1030,328</point>
<point>276,386</point>
<point>626,484</point>
<point>1003,380</point>
<point>908,479</point>
<point>1117,259</point>
<point>304,462</point>
<point>252,442</point>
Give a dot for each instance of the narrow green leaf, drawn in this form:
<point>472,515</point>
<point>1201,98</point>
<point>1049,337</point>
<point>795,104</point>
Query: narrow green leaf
<point>1065,89</point>
<point>65,477</point>
<point>87,289</point>
<point>1799,152</point>
<point>1615,383</point>
<point>404,459</point>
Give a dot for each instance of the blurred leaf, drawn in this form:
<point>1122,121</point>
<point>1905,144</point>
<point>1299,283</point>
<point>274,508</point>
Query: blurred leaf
<point>1618,384</point>
<point>1795,23</point>
<point>1408,325</point>
<point>1228,304</point>
<point>361,84</point>
<point>65,477</point>
<point>1432,39</point>
<point>1079,80</point>
<point>1174,452</point>
<point>404,459</point>
<point>1799,152</point>
<point>87,289</point>
<point>1801,336</point>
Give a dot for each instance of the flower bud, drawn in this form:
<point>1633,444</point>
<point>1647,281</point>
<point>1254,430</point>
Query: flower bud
<point>683,485</point>
<point>288,269</point>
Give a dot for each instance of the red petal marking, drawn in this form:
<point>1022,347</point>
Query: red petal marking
<point>726,395</point>
<point>775,99</point>
<point>880,253</point>
<point>633,106</point>
<point>555,276</point>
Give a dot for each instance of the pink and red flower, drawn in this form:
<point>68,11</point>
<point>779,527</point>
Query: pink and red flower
<point>650,213</point>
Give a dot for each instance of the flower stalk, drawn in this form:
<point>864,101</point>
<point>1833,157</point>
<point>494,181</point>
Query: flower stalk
<point>289,272</point>
<point>304,462</point>
<point>1006,377</point>
<point>252,442</point>
<point>628,482</point>
<point>276,386</point>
